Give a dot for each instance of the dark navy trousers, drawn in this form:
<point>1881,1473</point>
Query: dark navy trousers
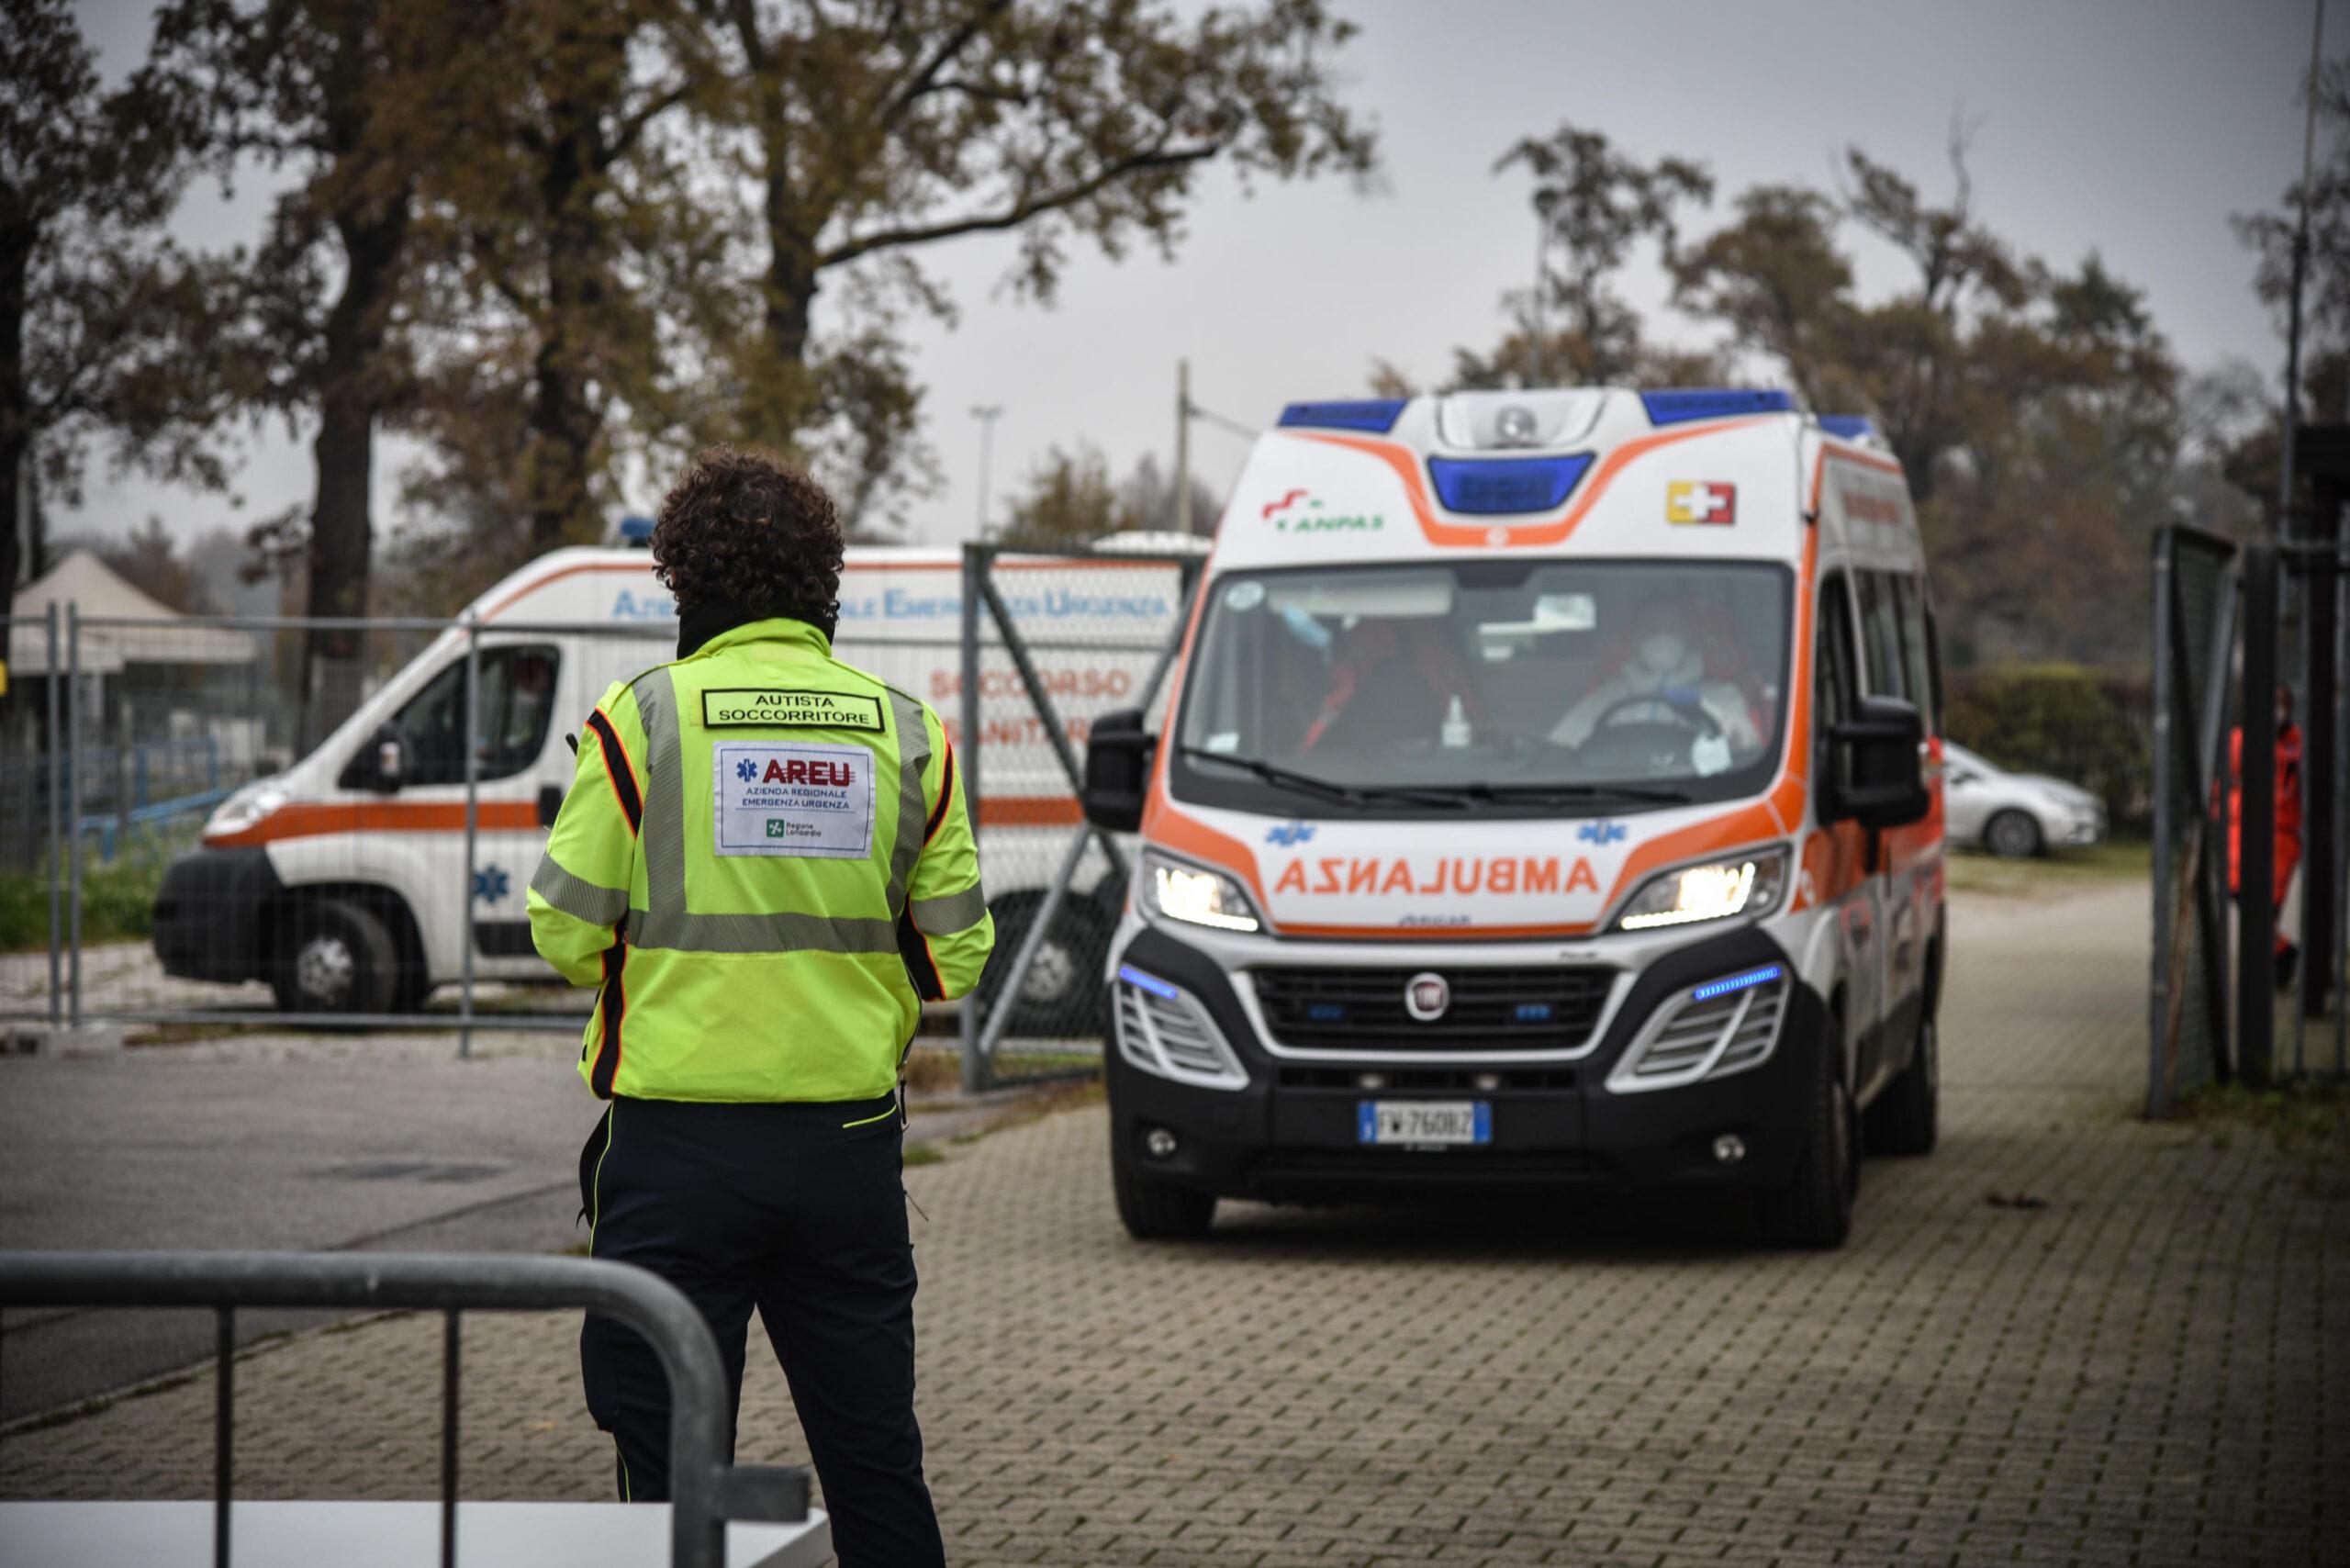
<point>800,1211</point>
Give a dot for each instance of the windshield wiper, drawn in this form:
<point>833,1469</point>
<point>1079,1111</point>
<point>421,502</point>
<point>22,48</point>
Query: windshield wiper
<point>1330,789</point>
<point>1271,774</point>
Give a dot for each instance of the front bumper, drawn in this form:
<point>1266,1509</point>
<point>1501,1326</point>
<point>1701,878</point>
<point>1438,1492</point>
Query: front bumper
<point>208,914</point>
<point>1291,1133</point>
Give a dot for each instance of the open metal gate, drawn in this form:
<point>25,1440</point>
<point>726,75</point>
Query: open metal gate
<point>1051,643</point>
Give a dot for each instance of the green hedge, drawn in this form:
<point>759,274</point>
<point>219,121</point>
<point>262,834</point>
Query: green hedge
<point>2089,727</point>
<point>118,897</point>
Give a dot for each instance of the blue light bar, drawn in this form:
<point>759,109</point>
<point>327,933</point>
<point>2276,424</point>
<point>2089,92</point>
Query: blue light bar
<point>1375,414</point>
<point>1715,403</point>
<point>636,530</point>
<point>1851,427</point>
<point>1150,983</point>
<point>1494,486</point>
<point>1763,976</point>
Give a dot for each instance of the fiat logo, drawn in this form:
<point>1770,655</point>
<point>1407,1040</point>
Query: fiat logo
<point>1426,996</point>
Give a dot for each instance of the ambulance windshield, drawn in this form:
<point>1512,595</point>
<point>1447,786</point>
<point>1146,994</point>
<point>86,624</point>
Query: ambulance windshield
<point>1552,684</point>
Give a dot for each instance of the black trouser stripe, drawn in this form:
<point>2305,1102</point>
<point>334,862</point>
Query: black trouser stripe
<point>616,764</point>
<point>607,1057</point>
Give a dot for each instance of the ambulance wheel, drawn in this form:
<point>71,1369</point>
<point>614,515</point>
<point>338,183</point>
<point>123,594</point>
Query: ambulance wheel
<point>1905,1118</point>
<point>1063,993</point>
<point>1157,1211</point>
<point>2013,835</point>
<point>1815,1209</point>
<point>336,958</point>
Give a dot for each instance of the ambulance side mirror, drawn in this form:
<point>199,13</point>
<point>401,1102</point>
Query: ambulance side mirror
<point>1879,766</point>
<point>386,758</point>
<point>1117,770</point>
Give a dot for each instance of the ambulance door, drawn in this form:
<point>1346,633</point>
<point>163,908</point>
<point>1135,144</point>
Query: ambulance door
<point>521,758</point>
<point>1850,884</point>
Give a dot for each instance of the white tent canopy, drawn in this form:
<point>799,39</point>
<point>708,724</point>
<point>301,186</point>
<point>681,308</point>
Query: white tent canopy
<point>83,580</point>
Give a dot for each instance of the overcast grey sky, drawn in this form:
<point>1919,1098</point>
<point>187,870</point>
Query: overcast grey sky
<point>2129,127</point>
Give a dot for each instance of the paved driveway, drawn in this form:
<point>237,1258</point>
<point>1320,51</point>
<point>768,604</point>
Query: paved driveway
<point>2152,1368</point>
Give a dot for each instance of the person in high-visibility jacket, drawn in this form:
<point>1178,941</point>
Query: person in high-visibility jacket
<point>765,866</point>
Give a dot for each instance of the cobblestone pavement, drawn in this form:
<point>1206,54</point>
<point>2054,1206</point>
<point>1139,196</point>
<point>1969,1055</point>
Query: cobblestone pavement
<point>2153,1368</point>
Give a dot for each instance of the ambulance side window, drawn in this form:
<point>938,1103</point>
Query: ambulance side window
<point>1916,661</point>
<point>517,702</point>
<point>1881,636</point>
<point>1832,702</point>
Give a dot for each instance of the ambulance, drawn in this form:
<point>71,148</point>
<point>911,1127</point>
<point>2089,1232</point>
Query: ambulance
<point>1548,796</point>
<point>343,883</point>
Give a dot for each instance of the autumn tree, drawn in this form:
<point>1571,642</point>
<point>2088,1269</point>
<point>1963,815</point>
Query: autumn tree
<point>1070,500</point>
<point>351,101</point>
<point>872,128</point>
<point>85,279</point>
<point>1594,204</point>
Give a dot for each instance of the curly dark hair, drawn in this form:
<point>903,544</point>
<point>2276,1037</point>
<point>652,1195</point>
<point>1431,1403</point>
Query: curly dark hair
<point>745,528</point>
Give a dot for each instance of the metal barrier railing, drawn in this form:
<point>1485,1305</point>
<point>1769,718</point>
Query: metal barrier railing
<point>706,1489</point>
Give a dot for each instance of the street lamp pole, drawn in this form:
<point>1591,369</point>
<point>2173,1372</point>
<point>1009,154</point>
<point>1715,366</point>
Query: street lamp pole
<point>987,414</point>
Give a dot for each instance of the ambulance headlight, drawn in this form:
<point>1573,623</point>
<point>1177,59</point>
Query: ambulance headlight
<point>1742,884</point>
<point>244,809</point>
<point>1196,895</point>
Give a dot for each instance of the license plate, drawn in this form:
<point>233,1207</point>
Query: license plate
<point>1423,1121</point>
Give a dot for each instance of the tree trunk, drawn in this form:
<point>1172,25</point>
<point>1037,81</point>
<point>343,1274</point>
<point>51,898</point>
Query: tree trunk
<point>561,465</point>
<point>16,419</point>
<point>350,398</point>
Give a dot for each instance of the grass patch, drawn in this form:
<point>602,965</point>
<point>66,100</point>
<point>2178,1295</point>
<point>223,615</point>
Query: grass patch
<point>921,1154</point>
<point>117,896</point>
<point>2116,860</point>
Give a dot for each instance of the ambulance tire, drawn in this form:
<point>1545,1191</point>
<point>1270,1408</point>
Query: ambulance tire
<point>1160,1210</point>
<point>2012,834</point>
<point>1815,1209</point>
<point>1905,1119</point>
<point>1064,995</point>
<point>335,956</point>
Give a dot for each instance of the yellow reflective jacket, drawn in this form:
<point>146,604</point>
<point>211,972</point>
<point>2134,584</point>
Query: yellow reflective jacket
<point>765,865</point>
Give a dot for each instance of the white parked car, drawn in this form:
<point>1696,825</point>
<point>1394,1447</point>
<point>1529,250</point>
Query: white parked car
<point>2014,815</point>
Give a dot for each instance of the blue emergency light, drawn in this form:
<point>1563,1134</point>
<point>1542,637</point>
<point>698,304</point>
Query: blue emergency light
<point>1377,415</point>
<point>1495,486</point>
<point>1851,427</point>
<point>1148,982</point>
<point>1763,975</point>
<point>636,531</point>
<point>1715,403</point>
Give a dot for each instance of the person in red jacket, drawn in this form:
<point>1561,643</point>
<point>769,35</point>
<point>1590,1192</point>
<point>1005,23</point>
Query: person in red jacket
<point>2288,823</point>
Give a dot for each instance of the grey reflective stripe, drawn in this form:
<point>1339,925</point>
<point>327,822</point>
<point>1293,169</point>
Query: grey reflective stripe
<point>582,901</point>
<point>913,750</point>
<point>955,911</point>
<point>662,840</point>
<point>684,932</point>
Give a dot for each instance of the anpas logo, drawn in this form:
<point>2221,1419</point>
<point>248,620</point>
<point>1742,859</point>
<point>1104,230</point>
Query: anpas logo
<point>1377,874</point>
<point>1288,834</point>
<point>1287,516</point>
<point>649,607</point>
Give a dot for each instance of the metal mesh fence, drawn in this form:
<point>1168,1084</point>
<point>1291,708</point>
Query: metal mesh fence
<point>282,822</point>
<point>2194,609</point>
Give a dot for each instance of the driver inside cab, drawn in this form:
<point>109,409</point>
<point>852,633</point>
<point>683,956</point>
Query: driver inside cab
<point>1662,673</point>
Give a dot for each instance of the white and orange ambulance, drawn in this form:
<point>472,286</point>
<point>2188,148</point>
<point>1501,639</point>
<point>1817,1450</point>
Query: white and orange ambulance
<point>343,881</point>
<point>1548,794</point>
